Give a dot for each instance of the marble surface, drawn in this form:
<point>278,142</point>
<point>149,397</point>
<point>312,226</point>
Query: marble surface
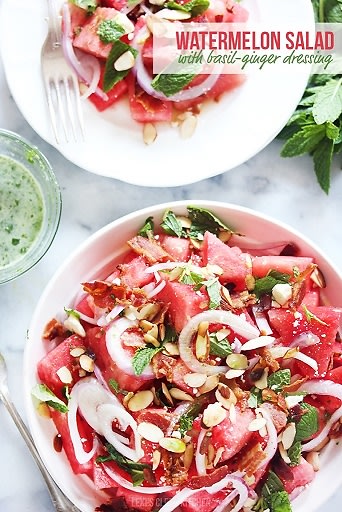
<point>283,188</point>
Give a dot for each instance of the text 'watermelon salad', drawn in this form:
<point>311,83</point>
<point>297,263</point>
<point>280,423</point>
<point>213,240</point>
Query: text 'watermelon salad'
<point>109,43</point>
<point>203,373</point>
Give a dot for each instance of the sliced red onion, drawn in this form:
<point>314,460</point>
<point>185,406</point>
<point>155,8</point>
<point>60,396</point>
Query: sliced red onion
<point>261,341</point>
<point>237,345</point>
<point>237,323</point>
<point>121,357</point>
<point>310,361</point>
<point>99,376</point>
<point>157,277</point>
<point>200,458</point>
<point>156,290</point>
<point>250,246</point>
<point>107,413</point>
<point>272,442</point>
<point>322,387</point>
<point>139,489</point>
<point>228,499</point>
<point>88,61</point>
<point>86,318</point>
<point>112,315</point>
<point>261,321</point>
<point>144,80</point>
<point>305,339</point>
<point>185,493</point>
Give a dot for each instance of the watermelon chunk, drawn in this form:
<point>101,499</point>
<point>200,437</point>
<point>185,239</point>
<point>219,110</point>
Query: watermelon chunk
<point>288,326</point>
<point>57,358</point>
<point>133,274</point>
<point>230,259</point>
<point>137,501</point>
<point>179,248</point>
<point>303,474</point>
<point>263,264</point>
<point>87,38</point>
<point>233,436</point>
<point>203,501</point>
<point>184,302</point>
<point>173,369</point>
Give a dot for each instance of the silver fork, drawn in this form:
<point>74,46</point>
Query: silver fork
<point>60,501</point>
<point>61,83</point>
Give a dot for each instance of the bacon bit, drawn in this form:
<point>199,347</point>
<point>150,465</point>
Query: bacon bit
<point>296,413</point>
<point>295,385</point>
<point>149,249</point>
<point>298,294</point>
<point>251,459</point>
<point>54,329</point>
<point>197,482</point>
<point>163,365</point>
<point>267,360</point>
<point>205,445</point>
<point>106,295</point>
<point>175,472</point>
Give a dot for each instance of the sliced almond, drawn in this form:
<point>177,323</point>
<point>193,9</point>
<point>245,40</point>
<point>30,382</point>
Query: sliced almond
<point>64,375</point>
<point>211,454</point>
<point>222,334</point>
<point>73,324</point>
<point>156,458</point>
<point>250,282</point>
<point>127,398</point>
<point>149,133</point>
<point>225,396</point>
<point>148,311</point>
<point>188,455</point>
<point>202,347</point>
<point>234,374</point>
<point>203,328</point>
<point>261,341</point>
<point>318,278</point>
<point>152,340</point>
<point>150,432</point>
<point>262,382</point>
<point>313,459</point>
<point>157,26</point>
<point>210,384</point>
<point>213,415</point>
<point>157,2</point>
<point>77,351</point>
<point>145,325</point>
<point>195,380</point>
<point>218,456</point>
<point>125,61</point>
<point>43,410</point>
<point>173,14</point>
<point>173,445</point>
<point>171,348</point>
<point>166,393</point>
<point>179,394</point>
<point>283,454</point>
<point>289,435</point>
<point>256,424</point>
<point>124,22</point>
<point>87,363</point>
<point>215,269</point>
<point>282,293</point>
<point>140,400</point>
<point>232,413</point>
<point>162,331</point>
<point>82,373</point>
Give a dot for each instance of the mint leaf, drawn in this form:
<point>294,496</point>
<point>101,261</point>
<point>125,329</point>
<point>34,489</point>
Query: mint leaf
<point>147,229</point>
<point>203,220</point>
<point>187,419</point>
<point>277,380</point>
<point>255,398</point>
<point>264,285</point>
<point>114,385</point>
<point>308,423</point>
<point>142,358</point>
<point>294,453</point>
<point>111,76</point>
<point>272,485</point>
<point>328,102</point>
<point>213,288</point>
<point>87,5</point>
<point>332,131</point>
<point>280,502</point>
<point>170,84</point>
<point>189,277</point>
<point>274,495</point>
<point>310,316</point>
<point>303,141</point>
<point>135,469</point>
<point>219,348</point>
<point>195,7</point>
<point>72,312</point>
<point>44,394</point>
<point>109,31</point>
<point>171,224</point>
<point>333,11</point>
<point>322,157</point>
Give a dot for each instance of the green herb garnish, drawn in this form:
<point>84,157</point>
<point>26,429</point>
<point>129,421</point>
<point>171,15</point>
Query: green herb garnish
<point>310,316</point>
<point>135,469</point>
<point>274,496</point>
<point>111,76</point>
<point>142,358</point>
<point>219,348</point>
<point>109,31</point>
<point>264,285</point>
<point>42,393</point>
<point>170,83</point>
<point>294,453</point>
<point>171,224</point>
<point>203,220</point>
<point>87,5</point>
<point>194,7</point>
<point>148,228</point>
<point>277,380</point>
<point>307,426</point>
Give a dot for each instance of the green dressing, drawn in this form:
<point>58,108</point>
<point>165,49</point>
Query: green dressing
<point>21,211</point>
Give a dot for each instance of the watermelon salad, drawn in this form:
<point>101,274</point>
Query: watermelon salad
<point>204,373</point>
<point>109,43</point>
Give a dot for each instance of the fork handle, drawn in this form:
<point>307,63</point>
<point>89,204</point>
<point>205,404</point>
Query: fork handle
<point>54,22</point>
<point>59,500</point>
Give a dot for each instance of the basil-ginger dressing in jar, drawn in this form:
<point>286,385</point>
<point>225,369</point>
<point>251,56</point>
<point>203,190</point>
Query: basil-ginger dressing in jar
<point>21,210</point>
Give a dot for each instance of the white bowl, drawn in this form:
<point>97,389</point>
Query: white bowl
<point>94,258</point>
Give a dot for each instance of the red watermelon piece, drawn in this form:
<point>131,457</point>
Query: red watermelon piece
<point>288,326</point>
<point>88,40</point>
<point>230,259</point>
<point>133,274</point>
<point>303,474</point>
<point>263,264</point>
<point>179,248</point>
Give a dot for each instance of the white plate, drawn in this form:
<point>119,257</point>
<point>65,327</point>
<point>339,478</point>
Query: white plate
<point>228,133</point>
<point>93,259</point>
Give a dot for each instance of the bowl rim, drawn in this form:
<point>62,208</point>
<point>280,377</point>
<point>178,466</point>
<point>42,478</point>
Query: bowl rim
<point>155,209</point>
<point>41,243</point>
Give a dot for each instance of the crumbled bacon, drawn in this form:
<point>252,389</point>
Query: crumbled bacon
<point>175,472</point>
<point>250,459</point>
<point>149,249</point>
<point>295,385</point>
<point>54,329</point>
<point>163,365</point>
<point>267,360</point>
<point>107,295</point>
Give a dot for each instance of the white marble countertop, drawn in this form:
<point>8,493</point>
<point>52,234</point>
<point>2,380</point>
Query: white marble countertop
<point>283,188</point>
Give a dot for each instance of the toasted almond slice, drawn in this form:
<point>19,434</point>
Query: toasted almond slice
<point>224,235</point>
<point>148,311</point>
<point>173,445</point>
<point>145,325</point>
<point>225,396</point>
<point>234,374</point>
<point>203,328</point>
<point>156,458</point>
<point>151,339</point>
<point>127,398</point>
<point>77,351</point>
<point>150,432</point>
<point>125,61</point>
<point>282,293</point>
<point>202,347</point>
<point>188,455</point>
<point>215,269</point>
<point>250,282</point>
<point>318,278</point>
<point>283,454</point>
<point>140,400</point>
<point>149,133</point>
<point>162,331</point>
<point>256,424</point>
<point>64,375</point>
<point>213,415</point>
<point>179,394</point>
<point>222,334</point>
<point>195,380</point>
<point>166,393</point>
<point>87,363</point>
<point>313,459</point>
<point>82,373</point>
<point>218,456</point>
<point>262,382</point>
<point>211,454</point>
<point>289,435</point>
<point>73,324</point>
<point>171,348</point>
<point>210,384</point>
<point>293,400</point>
<point>261,341</point>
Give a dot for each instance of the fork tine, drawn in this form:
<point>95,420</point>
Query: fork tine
<point>78,105</point>
<point>61,108</point>
<point>68,104</point>
<point>52,112</point>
